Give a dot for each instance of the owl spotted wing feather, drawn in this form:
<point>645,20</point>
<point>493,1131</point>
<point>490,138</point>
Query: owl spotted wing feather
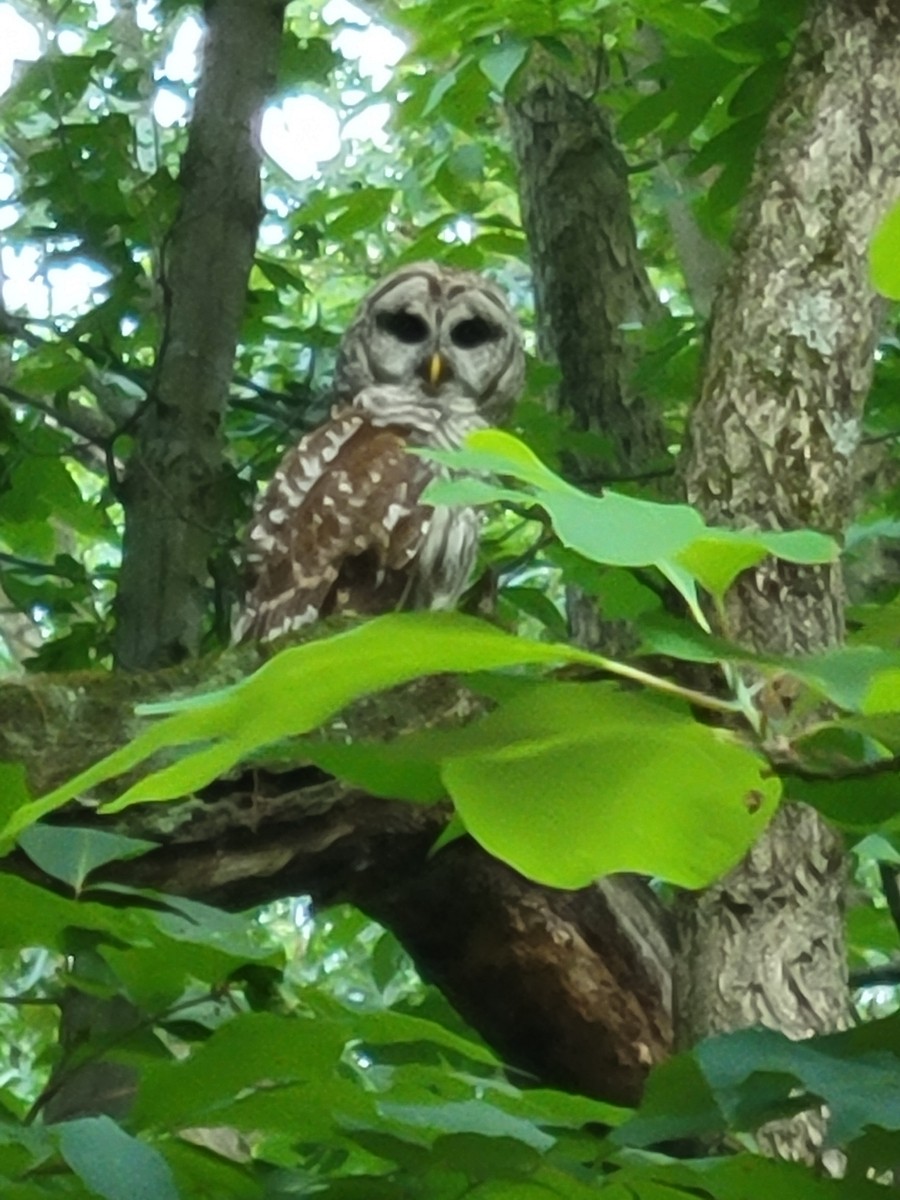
<point>432,354</point>
<point>341,529</point>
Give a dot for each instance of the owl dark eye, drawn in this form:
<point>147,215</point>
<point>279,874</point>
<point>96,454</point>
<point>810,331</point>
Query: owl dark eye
<point>475,331</point>
<point>404,326</point>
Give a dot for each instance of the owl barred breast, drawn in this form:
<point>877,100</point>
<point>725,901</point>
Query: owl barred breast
<point>432,354</point>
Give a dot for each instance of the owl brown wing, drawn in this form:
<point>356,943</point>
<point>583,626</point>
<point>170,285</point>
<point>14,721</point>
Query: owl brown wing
<point>338,528</point>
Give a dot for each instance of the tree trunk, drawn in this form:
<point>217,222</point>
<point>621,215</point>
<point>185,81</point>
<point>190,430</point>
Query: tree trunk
<point>789,363</point>
<point>589,280</point>
<point>172,486</point>
<point>771,445</point>
<point>171,490</point>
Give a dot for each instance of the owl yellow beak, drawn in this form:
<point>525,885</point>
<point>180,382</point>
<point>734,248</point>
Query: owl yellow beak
<point>437,370</point>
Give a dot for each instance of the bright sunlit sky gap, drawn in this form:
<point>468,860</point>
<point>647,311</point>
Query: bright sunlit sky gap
<point>299,134</point>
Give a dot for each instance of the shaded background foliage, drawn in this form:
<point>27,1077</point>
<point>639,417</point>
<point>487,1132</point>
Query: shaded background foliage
<point>396,1096</point>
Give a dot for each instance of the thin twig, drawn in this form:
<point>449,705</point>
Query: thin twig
<point>874,438</point>
<point>24,1001</point>
<point>890,885</point>
<point>86,429</point>
<point>887,975</point>
<point>32,565</point>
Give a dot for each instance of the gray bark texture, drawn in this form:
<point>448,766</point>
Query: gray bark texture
<point>171,492</point>
<point>794,327</point>
<point>589,280</point>
<point>590,284</point>
<point>772,442</point>
<point>172,485</point>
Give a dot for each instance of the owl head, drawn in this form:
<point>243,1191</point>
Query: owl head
<point>440,327</point>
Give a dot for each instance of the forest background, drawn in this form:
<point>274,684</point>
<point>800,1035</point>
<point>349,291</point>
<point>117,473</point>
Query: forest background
<point>658,752</point>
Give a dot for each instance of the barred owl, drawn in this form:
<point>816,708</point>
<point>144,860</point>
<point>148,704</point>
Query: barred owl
<point>432,354</point>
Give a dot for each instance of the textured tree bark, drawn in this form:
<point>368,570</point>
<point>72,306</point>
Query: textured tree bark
<point>589,283</point>
<point>574,987</point>
<point>789,363</point>
<point>171,488</point>
<point>172,483</point>
<point>589,279</point>
<point>772,442</point>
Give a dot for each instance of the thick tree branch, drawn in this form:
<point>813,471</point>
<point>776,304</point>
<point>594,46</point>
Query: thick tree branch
<point>571,986</point>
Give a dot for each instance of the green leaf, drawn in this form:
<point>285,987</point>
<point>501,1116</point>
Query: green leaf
<point>258,1069</point>
<point>387,1028</point>
<point>501,63</point>
<point>856,1074</point>
<point>190,942</point>
<point>468,1116</point>
<point>468,489</point>
<point>742,1079</point>
<point>862,679</point>
<point>884,255</point>
<point>299,690</point>
<point>71,854</point>
<point>759,89</point>
<point>14,792</point>
<point>202,1175</point>
<point>678,1103</point>
<point>647,113</point>
<point>112,1163</point>
<point>691,86</point>
<point>37,917</point>
<point>570,782</point>
<point>536,604</point>
<point>679,638</point>
<point>620,530</point>
<point>279,275</point>
<point>716,561</point>
<point>405,769</point>
<point>862,805</point>
<point>304,61</point>
<point>735,1177</point>
<point>752,40</point>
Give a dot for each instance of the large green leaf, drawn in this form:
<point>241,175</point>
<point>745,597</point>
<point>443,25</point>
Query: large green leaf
<point>857,1074</point>
<point>33,916</point>
<point>863,679</point>
<point>568,782</point>
<point>861,805</point>
<point>742,1079</point>
<point>735,1177</point>
<point>181,943</point>
<point>253,1059</point>
<point>114,1164</point>
<point>616,529</point>
<point>71,854</point>
<point>300,689</point>
<point>501,62</point>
